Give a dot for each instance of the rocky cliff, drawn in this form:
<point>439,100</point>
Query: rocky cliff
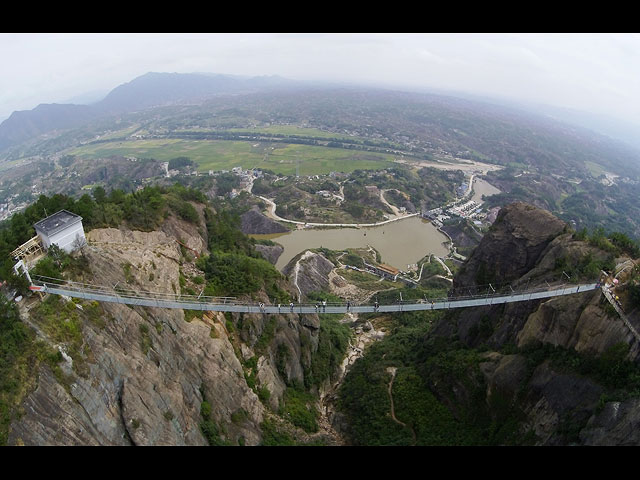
<point>512,248</point>
<point>557,404</point>
<point>254,222</point>
<point>271,253</point>
<point>142,375</point>
<point>309,272</point>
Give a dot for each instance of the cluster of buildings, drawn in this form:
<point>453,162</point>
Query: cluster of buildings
<point>471,210</point>
<point>4,210</point>
<point>436,215</point>
<point>9,207</point>
<point>468,209</point>
<point>461,191</point>
<point>382,270</point>
<point>246,179</point>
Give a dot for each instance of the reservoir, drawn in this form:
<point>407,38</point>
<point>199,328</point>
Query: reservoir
<point>400,243</point>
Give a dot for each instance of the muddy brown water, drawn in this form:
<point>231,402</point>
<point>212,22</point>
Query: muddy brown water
<point>400,243</point>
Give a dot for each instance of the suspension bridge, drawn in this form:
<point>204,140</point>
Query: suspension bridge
<point>118,294</point>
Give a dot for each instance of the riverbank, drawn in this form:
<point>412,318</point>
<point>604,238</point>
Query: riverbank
<point>400,243</point>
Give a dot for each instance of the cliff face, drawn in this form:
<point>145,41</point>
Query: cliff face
<point>254,222</point>
<point>147,371</point>
<point>271,253</point>
<point>309,272</point>
<point>513,247</point>
<point>524,247</point>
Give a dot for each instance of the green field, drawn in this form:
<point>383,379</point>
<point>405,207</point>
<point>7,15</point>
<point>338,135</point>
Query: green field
<point>225,154</point>
<point>292,130</point>
<point>121,133</point>
<point>594,169</point>
<point>278,130</point>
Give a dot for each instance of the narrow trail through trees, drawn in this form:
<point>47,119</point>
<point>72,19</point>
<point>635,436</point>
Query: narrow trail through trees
<point>392,371</point>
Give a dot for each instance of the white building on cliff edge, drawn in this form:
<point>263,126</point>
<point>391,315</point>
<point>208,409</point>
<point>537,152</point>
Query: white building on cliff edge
<point>62,228</point>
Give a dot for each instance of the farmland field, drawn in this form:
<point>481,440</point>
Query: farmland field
<point>226,154</point>
<point>292,130</point>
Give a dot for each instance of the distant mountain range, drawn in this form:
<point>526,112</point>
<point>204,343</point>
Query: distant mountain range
<point>161,89</point>
<point>149,90</point>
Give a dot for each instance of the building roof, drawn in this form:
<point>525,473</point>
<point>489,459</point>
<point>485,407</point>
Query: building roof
<point>388,268</point>
<point>57,222</point>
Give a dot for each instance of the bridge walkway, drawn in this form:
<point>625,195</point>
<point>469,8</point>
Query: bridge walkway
<point>231,304</point>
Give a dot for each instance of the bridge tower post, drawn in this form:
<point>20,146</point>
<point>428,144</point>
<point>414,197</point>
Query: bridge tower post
<point>21,266</point>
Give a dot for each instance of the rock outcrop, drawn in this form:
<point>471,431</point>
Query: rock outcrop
<point>512,246</point>
<point>524,247</point>
<point>309,272</point>
<point>271,253</point>
<point>148,370</point>
<point>254,222</point>
<point>193,237</point>
<point>616,424</point>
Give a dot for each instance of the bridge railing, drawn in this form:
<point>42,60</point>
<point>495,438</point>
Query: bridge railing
<point>125,293</point>
<point>477,296</point>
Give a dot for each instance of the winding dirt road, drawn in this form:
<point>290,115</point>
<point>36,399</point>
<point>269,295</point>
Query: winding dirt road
<point>392,371</point>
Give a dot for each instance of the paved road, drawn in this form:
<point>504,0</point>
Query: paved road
<point>274,216</point>
<point>230,305</point>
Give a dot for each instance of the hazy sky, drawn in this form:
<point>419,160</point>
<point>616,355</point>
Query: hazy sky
<point>598,73</point>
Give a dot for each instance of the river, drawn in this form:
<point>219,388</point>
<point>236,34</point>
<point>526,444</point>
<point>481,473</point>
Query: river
<point>400,243</point>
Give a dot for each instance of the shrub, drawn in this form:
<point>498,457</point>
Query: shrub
<point>298,407</point>
<point>145,339</point>
<point>354,260</point>
<point>264,394</point>
<point>237,274</point>
<point>128,276</point>
<point>185,210</point>
<point>272,436</point>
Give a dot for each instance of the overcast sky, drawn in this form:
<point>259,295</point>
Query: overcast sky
<point>598,73</point>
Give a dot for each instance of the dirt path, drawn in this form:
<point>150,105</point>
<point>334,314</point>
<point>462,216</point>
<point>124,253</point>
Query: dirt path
<point>394,209</point>
<point>271,213</point>
<point>392,371</point>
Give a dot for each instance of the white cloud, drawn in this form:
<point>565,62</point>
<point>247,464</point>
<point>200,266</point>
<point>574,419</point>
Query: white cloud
<point>593,72</point>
